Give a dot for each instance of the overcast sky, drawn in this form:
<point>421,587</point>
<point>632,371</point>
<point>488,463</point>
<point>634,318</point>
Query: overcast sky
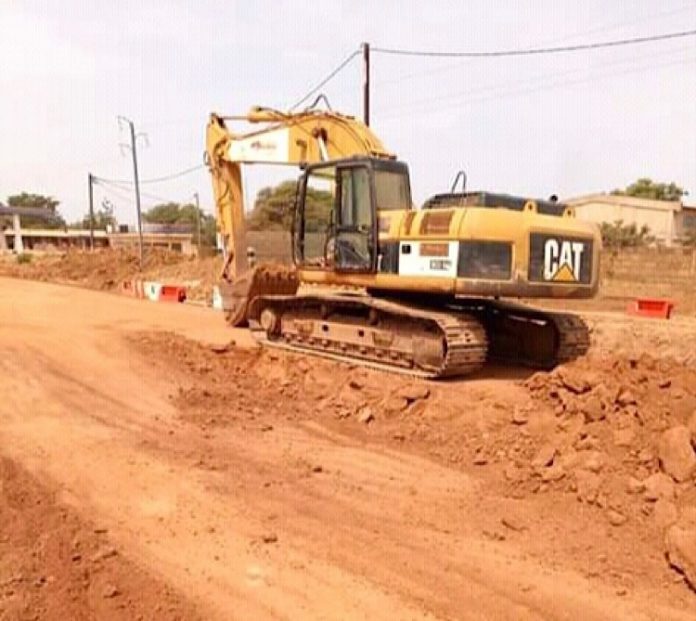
<point>570,123</point>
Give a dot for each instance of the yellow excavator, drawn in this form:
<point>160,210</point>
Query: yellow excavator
<point>379,282</point>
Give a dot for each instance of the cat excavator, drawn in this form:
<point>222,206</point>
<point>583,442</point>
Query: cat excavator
<point>429,292</point>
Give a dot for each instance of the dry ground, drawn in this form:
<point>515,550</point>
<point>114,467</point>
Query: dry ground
<point>151,469</point>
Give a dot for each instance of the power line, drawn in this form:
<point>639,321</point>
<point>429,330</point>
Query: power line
<point>501,88</point>
<point>350,57</point>
<point>495,96</point>
<point>604,28</point>
<point>180,173</point>
<point>113,185</point>
<point>538,50</point>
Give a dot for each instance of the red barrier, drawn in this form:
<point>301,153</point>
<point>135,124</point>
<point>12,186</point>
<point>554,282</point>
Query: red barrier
<point>134,288</point>
<point>171,293</point>
<point>651,307</point>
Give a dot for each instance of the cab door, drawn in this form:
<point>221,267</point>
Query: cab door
<point>355,239</point>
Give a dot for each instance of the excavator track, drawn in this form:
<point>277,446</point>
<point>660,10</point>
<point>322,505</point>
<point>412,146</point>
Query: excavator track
<point>374,332</point>
<point>528,336</point>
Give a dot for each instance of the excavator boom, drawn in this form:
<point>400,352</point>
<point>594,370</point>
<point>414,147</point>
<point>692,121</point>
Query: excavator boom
<point>291,139</point>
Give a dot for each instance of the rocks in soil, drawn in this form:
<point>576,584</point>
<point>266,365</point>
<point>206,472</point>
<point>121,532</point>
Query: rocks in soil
<point>513,523</point>
<point>103,554</point>
<point>573,381</point>
<point>593,461</point>
<point>109,591</point>
<point>520,416</point>
<point>665,513</point>
<point>635,486</point>
<point>616,518</point>
<point>395,404</point>
<point>588,485</point>
<point>657,486</point>
<point>545,456</point>
<point>625,398</point>
<point>680,545</point>
<point>592,409</point>
<point>413,392</point>
<point>676,453</point>
<point>365,416</point>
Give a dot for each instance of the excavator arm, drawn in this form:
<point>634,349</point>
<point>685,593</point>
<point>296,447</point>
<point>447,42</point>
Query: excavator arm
<point>282,138</point>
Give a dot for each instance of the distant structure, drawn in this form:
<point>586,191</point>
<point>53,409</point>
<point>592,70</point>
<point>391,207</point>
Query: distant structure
<point>18,240</point>
<point>177,238</point>
<point>668,221</point>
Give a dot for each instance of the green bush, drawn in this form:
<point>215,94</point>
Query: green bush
<point>23,258</point>
<point>620,235</point>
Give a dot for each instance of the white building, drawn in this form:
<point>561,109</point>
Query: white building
<point>667,221</point>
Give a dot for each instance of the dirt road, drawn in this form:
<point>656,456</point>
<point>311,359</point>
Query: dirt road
<point>271,505</point>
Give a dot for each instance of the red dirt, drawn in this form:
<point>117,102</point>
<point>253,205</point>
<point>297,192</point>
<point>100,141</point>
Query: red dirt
<point>266,485</point>
<point>508,424</point>
<point>54,565</point>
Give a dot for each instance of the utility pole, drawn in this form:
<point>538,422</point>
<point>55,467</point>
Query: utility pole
<point>90,182</point>
<point>134,153</point>
<point>366,83</point>
<point>198,222</point>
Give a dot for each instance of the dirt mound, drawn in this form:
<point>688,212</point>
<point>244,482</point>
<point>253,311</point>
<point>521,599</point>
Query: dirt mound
<point>55,566</point>
<point>614,433</point>
<point>571,459</point>
<point>101,269</point>
<point>106,269</point>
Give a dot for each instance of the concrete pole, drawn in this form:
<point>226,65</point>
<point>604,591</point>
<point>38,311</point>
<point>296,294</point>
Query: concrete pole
<point>198,222</point>
<point>18,245</point>
<point>90,180</point>
<point>366,83</point>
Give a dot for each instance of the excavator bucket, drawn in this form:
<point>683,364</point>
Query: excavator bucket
<point>263,279</point>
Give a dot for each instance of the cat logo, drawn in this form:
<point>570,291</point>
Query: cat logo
<point>562,260</point>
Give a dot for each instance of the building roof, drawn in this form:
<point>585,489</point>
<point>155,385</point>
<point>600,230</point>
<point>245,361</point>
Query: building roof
<point>627,201</point>
<point>36,212</point>
<point>58,233</point>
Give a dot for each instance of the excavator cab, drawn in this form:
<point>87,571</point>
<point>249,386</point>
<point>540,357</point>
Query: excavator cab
<point>336,223</point>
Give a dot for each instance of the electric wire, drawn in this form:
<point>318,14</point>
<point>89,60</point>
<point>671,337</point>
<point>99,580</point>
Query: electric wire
<point>501,89</point>
<point>169,177</point>
<point>604,28</point>
<point>535,51</point>
<point>495,96</point>
<point>125,187</point>
<point>329,77</point>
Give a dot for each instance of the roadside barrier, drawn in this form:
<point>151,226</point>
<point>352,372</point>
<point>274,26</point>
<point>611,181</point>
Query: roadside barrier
<point>133,288</point>
<point>651,307</point>
<point>172,293</point>
<point>153,291</point>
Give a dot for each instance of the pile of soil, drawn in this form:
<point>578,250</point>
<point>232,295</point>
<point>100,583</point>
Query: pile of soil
<point>622,439</point>
<point>53,565</point>
<point>107,269</point>
<point>579,463</point>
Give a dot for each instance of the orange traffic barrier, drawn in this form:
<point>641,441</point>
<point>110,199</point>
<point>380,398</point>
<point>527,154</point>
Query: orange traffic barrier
<point>651,307</point>
<point>171,293</point>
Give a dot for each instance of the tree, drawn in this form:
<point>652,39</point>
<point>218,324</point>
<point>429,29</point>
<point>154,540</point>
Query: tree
<point>273,208</point>
<point>177,213</point>
<point>620,235</point>
<point>646,188</point>
<point>38,201</point>
<point>103,218</point>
